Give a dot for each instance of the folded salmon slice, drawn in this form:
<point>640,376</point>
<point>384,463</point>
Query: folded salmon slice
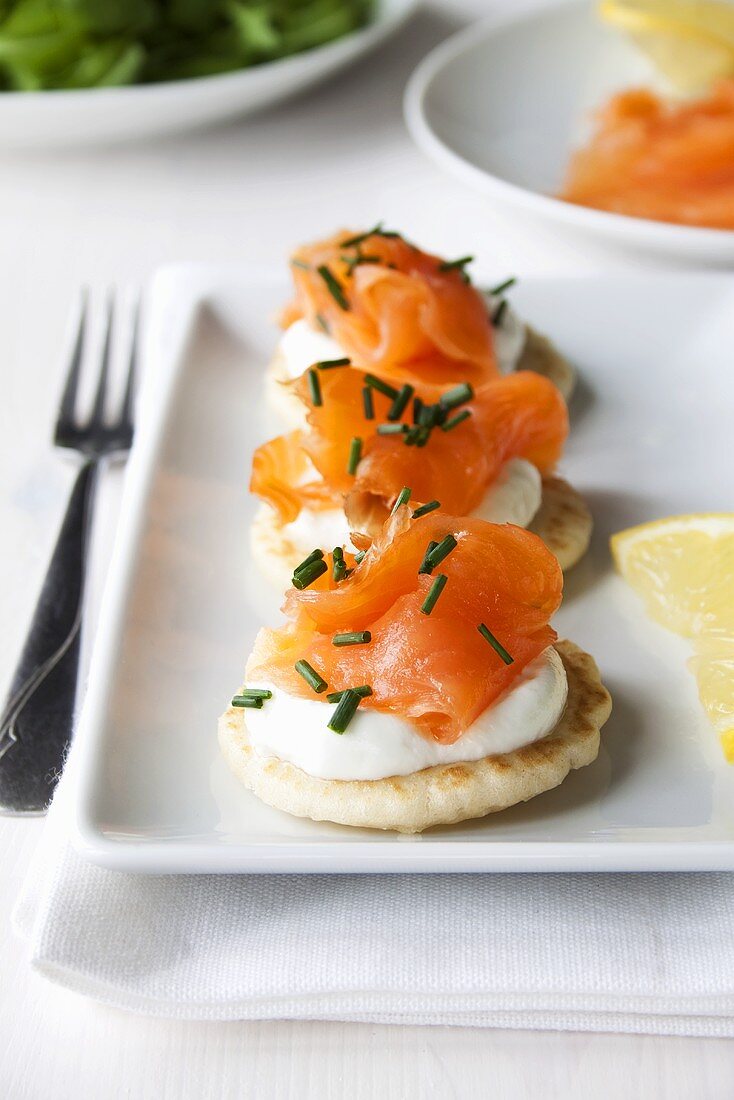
<point>668,161</point>
<point>435,670</point>
<point>518,416</point>
<point>394,309</point>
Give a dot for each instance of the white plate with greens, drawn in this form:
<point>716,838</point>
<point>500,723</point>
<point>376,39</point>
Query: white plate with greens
<point>67,79</point>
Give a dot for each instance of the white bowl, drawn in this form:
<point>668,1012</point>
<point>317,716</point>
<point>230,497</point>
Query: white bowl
<point>54,119</point>
<point>501,104</point>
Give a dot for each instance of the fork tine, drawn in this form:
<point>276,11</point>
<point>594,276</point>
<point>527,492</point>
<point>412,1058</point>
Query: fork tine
<point>126,413</point>
<point>97,415</point>
<point>71,386</point>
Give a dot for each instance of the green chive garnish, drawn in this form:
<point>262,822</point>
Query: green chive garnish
<point>301,264</point>
<point>352,242</point>
<point>435,556</point>
<point>401,400</point>
<point>426,508</point>
<point>454,265</point>
<point>455,420</point>
<point>313,556</point>
<point>417,436</point>
<point>417,410</point>
<point>253,702</point>
<point>329,364</point>
<point>424,565</point>
<point>430,415</point>
<point>459,395</point>
<point>391,429</point>
<point>256,693</point>
<point>322,323</point>
<point>496,646</point>
<point>311,676</point>
<point>359,557</point>
<point>305,575</point>
<point>352,637</point>
<point>503,286</point>
<point>381,387</point>
<point>355,454</point>
<point>424,434</point>
<point>345,711</point>
<point>314,387</point>
<point>499,312</point>
<point>433,593</point>
<point>334,287</point>
<point>363,691</point>
<point>369,404</point>
<point>339,570</point>
<point>402,498</point>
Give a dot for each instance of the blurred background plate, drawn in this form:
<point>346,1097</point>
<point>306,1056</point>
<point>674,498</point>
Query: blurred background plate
<point>500,105</point>
<point>54,119</point>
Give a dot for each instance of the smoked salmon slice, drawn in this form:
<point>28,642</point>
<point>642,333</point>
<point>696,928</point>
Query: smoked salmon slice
<point>435,669</point>
<point>390,306</point>
<point>653,159</point>
<point>521,415</point>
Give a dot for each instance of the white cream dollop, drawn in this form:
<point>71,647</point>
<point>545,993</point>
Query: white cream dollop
<point>301,346</point>
<point>377,744</point>
<point>513,498</point>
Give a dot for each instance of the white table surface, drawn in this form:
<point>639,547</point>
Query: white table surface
<point>338,156</point>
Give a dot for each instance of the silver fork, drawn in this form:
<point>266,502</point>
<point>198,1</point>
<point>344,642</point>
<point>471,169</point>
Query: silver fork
<point>38,717</point>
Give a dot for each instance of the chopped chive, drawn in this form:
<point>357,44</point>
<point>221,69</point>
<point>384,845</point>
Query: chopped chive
<point>369,404</point>
<point>499,312</point>
<point>334,287</point>
<point>454,265</point>
<point>345,711</point>
<point>398,406</point>
<point>431,415</point>
<point>441,551</point>
<point>339,569</point>
<point>256,693</point>
<point>459,395</point>
<point>424,566</point>
<point>299,263</point>
<point>363,691</point>
<point>426,508</point>
<point>323,323</point>
<point>392,429</point>
<point>496,646</point>
<point>352,637</point>
<point>417,410</point>
<point>457,265</point>
<point>352,242</point>
<point>307,574</point>
<point>503,286</point>
<point>359,557</point>
<point>402,498</point>
<point>314,387</point>
<point>454,422</point>
<point>434,592</point>
<point>381,387</point>
<point>329,364</point>
<point>313,556</point>
<point>417,436</point>
<point>424,434</point>
<point>254,702</point>
<point>355,454</point>
<point>356,261</point>
<point>311,676</point>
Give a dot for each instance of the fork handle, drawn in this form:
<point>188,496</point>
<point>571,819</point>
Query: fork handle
<point>38,717</point>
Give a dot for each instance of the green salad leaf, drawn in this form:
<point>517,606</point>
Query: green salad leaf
<point>104,43</point>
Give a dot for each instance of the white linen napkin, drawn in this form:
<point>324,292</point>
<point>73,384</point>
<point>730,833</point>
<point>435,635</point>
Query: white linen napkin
<point>635,953</point>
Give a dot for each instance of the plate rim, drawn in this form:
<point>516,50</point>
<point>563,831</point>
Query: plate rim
<point>679,238</point>
<point>187,288</point>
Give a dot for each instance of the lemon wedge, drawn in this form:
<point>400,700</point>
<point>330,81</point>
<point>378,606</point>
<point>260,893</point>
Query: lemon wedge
<point>683,568</point>
<point>691,42</point>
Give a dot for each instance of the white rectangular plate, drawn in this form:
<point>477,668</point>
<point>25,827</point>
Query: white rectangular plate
<point>651,425</point>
